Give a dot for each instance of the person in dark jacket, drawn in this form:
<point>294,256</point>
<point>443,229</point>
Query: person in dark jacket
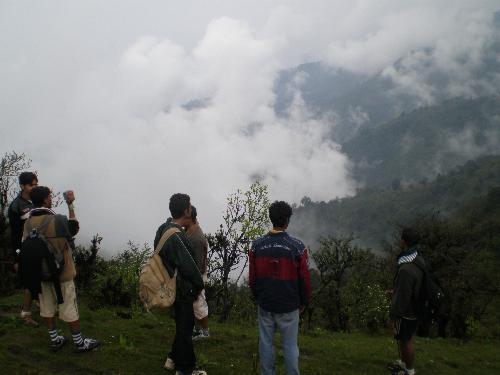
<point>405,296</point>
<point>280,282</point>
<point>177,254</point>
<point>18,213</point>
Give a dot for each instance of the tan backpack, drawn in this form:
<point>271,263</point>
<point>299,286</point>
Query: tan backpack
<point>156,287</point>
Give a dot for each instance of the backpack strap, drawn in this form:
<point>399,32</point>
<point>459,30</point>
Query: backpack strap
<point>42,227</point>
<point>45,223</point>
<point>28,225</point>
<point>164,237</point>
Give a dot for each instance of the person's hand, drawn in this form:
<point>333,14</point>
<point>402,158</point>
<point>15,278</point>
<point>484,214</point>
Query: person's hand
<point>16,267</point>
<point>69,196</point>
<point>302,309</point>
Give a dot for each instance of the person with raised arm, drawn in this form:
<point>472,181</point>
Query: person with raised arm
<point>56,293</point>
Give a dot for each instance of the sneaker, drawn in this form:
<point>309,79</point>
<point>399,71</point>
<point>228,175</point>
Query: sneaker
<point>397,365</point>
<point>402,372</point>
<point>195,372</point>
<point>25,316</point>
<point>58,344</point>
<point>202,334</point>
<point>169,364</point>
<point>87,345</point>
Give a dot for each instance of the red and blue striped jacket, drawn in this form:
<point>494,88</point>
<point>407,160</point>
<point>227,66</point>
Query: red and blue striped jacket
<point>279,272</point>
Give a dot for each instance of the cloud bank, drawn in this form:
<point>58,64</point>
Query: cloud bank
<point>128,103</point>
<point>125,139</point>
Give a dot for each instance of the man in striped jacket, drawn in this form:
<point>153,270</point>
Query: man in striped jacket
<point>280,282</point>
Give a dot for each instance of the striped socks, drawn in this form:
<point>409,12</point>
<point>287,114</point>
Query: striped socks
<point>77,339</point>
<point>54,337</point>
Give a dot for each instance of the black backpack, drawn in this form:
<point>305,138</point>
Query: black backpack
<point>431,295</point>
<point>36,254</point>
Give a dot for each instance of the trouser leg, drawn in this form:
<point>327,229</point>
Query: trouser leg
<point>267,327</point>
<point>288,324</point>
<point>182,348</point>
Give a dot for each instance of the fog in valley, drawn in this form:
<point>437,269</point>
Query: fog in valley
<point>128,102</point>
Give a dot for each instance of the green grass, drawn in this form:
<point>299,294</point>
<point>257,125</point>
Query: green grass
<point>137,343</point>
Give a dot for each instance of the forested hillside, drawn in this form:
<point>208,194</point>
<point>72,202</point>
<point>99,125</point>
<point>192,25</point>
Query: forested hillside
<point>372,215</point>
<point>352,101</point>
<point>425,142</point>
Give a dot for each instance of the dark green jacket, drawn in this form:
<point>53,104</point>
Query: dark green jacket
<point>407,284</point>
<point>18,213</point>
<point>177,254</point>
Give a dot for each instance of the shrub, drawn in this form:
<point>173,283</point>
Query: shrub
<point>367,305</point>
<point>117,282</point>
<point>87,262</point>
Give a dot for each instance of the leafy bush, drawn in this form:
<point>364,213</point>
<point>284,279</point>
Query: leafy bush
<point>117,282</point>
<point>87,263</point>
<point>244,307</point>
<point>367,305</point>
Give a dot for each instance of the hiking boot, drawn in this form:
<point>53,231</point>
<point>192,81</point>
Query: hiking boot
<point>169,364</point>
<point>58,344</point>
<point>87,345</point>
<point>25,316</point>
<point>201,334</point>
<point>195,372</point>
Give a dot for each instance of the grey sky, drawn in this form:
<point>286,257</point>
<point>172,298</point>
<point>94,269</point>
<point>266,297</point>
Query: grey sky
<point>94,91</point>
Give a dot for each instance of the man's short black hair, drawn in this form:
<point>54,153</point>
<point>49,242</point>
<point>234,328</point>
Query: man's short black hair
<point>194,213</point>
<point>26,178</point>
<point>410,236</point>
<point>178,204</point>
<point>38,195</point>
<point>280,213</point>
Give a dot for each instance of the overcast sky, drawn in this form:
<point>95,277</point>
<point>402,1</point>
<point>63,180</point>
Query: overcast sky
<point>94,93</point>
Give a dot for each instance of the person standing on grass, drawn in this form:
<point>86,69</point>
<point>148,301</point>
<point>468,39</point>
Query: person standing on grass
<point>199,244</point>
<point>18,213</point>
<point>59,231</point>
<point>405,298</point>
<point>280,282</point>
<point>177,255</point>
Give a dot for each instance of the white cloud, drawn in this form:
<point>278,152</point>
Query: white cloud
<point>95,91</point>
<point>125,142</point>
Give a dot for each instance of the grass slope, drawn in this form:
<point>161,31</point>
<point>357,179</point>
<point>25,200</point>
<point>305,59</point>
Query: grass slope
<point>137,343</point>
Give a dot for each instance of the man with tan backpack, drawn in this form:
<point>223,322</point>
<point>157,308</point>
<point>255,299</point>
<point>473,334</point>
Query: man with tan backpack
<point>48,267</point>
<point>176,254</point>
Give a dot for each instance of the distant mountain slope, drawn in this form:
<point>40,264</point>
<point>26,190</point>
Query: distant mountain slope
<point>372,214</point>
<point>352,101</point>
<point>425,142</point>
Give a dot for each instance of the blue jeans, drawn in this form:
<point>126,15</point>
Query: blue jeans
<point>288,324</point>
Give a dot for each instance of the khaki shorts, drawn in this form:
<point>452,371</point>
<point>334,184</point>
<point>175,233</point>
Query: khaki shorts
<point>68,311</point>
<point>200,306</point>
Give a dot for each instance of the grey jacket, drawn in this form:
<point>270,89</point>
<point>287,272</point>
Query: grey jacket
<point>200,246</point>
